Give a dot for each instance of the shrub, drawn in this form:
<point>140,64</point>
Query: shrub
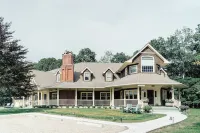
<point>147,108</point>
<point>183,108</point>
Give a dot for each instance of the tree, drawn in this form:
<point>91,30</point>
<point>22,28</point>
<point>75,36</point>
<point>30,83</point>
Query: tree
<point>15,71</point>
<point>86,55</point>
<point>120,58</point>
<point>107,57</point>
<point>47,64</point>
<point>136,51</point>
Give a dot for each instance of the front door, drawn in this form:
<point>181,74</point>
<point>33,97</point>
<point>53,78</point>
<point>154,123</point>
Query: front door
<point>150,96</point>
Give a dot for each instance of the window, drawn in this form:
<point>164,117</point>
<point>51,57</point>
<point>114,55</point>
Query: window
<point>132,69</point>
<point>53,95</point>
<point>155,93</point>
<point>105,95</point>
<point>109,76</point>
<point>86,95</point>
<point>87,76</point>
<point>144,94</point>
<point>147,64</point>
<point>131,94</point>
<point>58,77</point>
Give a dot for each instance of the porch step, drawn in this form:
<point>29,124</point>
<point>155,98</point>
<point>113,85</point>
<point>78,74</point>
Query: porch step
<point>163,108</point>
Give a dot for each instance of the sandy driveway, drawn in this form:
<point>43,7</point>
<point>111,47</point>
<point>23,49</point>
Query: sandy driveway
<point>33,123</point>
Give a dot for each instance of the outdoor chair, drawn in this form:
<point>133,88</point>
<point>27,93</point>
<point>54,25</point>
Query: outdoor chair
<point>128,108</point>
<point>9,105</point>
<point>137,109</point>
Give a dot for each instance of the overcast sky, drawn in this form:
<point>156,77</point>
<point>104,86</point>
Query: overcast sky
<point>49,27</point>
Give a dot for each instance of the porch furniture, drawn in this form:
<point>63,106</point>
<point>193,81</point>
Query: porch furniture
<point>9,105</point>
<point>128,108</point>
<point>137,109</point>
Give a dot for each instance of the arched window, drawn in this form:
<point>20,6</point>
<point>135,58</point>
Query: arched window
<point>147,64</point>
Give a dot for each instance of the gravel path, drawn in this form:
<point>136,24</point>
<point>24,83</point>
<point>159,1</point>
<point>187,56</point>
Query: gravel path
<point>34,123</point>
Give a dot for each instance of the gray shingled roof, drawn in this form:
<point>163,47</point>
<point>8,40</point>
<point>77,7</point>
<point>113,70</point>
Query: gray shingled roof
<point>48,79</point>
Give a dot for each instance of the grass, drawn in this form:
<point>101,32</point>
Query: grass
<point>190,125</point>
<point>101,114</point>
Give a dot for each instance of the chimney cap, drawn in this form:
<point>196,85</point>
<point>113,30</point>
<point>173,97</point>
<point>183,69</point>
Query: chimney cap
<point>67,52</point>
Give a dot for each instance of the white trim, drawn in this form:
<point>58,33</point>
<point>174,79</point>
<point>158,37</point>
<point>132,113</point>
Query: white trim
<point>153,63</point>
<point>148,45</point>
<point>108,69</point>
<point>86,69</point>
<point>89,78</point>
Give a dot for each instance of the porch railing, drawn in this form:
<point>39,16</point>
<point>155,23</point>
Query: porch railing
<point>122,102</point>
<point>84,102</point>
<point>53,102</point>
<point>102,102</point>
<point>67,102</point>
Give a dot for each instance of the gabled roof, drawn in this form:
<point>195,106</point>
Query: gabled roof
<point>85,70</point>
<point>157,53</point>
<point>107,70</point>
<point>130,61</point>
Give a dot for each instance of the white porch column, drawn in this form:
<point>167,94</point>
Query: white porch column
<point>110,96</point>
<point>41,101</point>
<point>172,92</point>
<point>58,97</point>
<point>113,98</point>
<point>124,99</point>
<point>38,96</point>
<point>23,102</point>
<point>179,96</point>
<point>93,97</point>
<point>76,97</point>
<point>138,94</point>
<point>48,97</point>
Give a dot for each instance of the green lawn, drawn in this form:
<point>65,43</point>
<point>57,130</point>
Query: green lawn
<point>102,114</point>
<point>190,125</point>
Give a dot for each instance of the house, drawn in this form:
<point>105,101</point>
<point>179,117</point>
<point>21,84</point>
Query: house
<point>139,80</point>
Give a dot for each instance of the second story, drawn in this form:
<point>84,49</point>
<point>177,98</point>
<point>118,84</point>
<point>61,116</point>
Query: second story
<point>147,60</point>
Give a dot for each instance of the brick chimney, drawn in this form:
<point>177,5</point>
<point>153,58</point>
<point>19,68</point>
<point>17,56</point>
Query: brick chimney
<point>67,67</point>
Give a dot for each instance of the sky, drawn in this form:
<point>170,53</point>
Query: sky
<point>49,27</point>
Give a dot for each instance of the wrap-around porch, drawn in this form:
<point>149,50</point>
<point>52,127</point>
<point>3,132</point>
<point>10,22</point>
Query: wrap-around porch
<point>115,97</point>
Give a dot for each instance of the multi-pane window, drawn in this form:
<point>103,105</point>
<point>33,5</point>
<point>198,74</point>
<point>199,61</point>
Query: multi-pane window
<point>86,95</point>
<point>105,95</point>
<point>87,76</point>
<point>131,94</point>
<point>109,76</point>
<point>147,64</point>
<point>53,95</point>
<point>132,69</point>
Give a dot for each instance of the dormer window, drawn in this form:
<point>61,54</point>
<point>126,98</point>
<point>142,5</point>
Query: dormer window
<point>58,77</point>
<point>132,69</point>
<point>109,76</point>
<point>147,64</point>
<point>87,76</point>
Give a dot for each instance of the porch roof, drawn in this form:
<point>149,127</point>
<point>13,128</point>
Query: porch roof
<point>146,79</point>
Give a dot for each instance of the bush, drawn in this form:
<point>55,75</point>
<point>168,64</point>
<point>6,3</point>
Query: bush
<point>183,108</point>
<point>147,108</point>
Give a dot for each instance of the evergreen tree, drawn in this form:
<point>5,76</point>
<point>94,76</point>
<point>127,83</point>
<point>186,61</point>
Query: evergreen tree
<point>15,71</point>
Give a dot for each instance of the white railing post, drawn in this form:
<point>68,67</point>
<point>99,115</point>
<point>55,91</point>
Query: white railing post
<point>48,97</point>
<point>110,96</point>
<point>172,92</point>
<point>138,94</point>
<point>113,98</point>
<point>76,97</point>
<point>41,102</point>
<point>38,96</point>
<point>93,97</point>
<point>124,99</point>
<point>58,97</point>
<point>23,102</point>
